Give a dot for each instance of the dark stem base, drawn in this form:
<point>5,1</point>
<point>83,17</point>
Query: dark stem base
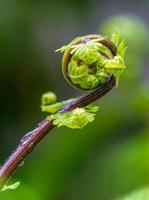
<point>31,139</point>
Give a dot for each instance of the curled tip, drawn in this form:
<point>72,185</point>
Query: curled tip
<point>89,60</point>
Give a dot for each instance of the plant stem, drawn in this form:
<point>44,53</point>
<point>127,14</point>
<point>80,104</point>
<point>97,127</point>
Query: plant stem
<point>31,139</point>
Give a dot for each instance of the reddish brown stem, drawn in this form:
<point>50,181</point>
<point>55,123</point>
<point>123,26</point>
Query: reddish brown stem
<point>31,139</point>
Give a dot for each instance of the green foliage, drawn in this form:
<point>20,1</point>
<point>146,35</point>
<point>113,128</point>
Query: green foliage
<point>116,66</point>
<point>48,98</point>
<point>10,187</point>
<point>89,68</point>
<point>115,37</point>
<point>65,165</point>
<point>77,118</point>
<point>48,104</point>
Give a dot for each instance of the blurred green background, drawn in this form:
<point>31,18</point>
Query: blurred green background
<point>108,158</point>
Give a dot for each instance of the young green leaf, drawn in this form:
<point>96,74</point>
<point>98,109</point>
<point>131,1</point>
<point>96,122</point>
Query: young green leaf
<point>77,118</point>
<point>54,107</point>
<point>10,187</point>
<point>116,37</point>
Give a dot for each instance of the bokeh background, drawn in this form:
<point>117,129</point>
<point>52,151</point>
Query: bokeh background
<point>109,157</point>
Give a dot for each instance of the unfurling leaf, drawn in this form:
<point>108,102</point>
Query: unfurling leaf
<point>77,118</point>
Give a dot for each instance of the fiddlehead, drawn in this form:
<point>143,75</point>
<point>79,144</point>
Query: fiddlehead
<point>89,60</point>
<point>88,63</point>
<point>103,61</point>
